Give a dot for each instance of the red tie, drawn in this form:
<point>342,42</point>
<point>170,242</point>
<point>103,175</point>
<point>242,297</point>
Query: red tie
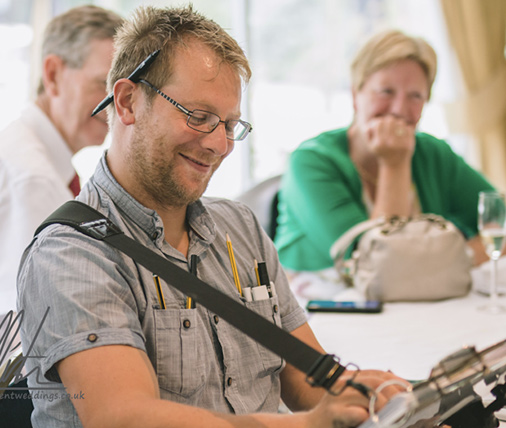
<point>75,185</point>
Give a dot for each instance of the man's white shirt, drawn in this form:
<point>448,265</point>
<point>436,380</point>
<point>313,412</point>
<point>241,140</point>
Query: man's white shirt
<point>35,172</point>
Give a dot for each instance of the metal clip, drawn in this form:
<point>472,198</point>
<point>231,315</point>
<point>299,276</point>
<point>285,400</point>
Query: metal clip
<point>99,229</point>
<point>393,223</point>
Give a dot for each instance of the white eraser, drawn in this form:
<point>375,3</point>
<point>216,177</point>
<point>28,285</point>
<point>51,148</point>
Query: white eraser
<point>246,292</point>
<point>260,293</point>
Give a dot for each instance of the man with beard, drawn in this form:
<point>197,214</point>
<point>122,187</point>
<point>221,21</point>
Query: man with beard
<point>125,357</point>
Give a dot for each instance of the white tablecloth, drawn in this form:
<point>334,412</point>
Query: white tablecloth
<point>406,338</point>
<point>409,338</point>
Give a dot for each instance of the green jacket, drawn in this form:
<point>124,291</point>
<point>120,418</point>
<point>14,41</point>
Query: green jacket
<point>321,195</point>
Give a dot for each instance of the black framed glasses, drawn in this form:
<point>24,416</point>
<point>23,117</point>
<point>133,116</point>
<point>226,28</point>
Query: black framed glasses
<point>207,122</point>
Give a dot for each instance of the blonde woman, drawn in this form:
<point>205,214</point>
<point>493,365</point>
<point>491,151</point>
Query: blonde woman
<point>379,165</point>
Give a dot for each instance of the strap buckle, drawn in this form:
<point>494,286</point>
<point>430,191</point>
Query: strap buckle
<point>325,371</point>
<point>99,229</point>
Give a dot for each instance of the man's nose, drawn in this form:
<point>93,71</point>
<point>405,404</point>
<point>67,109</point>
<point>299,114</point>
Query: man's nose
<point>217,141</point>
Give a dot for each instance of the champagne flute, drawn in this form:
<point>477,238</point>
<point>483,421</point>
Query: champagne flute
<point>492,227</point>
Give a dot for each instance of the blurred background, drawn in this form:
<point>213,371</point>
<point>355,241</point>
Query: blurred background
<point>300,52</point>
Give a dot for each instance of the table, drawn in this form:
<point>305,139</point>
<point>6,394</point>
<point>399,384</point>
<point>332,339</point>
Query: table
<point>409,338</point>
<point>406,338</point>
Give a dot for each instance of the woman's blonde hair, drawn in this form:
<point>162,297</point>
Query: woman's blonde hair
<point>387,48</point>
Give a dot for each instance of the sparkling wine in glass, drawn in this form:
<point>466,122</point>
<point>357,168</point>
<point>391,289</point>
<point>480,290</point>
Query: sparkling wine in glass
<point>492,227</point>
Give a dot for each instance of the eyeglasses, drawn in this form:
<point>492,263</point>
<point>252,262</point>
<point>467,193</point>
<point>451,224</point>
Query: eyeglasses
<point>207,122</point>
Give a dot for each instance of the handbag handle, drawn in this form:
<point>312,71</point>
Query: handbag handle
<point>339,247</point>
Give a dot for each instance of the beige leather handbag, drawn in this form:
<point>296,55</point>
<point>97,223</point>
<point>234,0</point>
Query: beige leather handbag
<point>399,259</point>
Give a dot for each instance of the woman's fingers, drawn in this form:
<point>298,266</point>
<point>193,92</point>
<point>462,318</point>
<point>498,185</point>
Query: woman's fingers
<point>391,139</point>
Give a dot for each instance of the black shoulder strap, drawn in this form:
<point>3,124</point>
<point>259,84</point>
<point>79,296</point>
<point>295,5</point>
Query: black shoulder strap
<point>321,370</point>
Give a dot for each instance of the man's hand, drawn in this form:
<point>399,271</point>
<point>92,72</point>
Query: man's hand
<point>351,407</point>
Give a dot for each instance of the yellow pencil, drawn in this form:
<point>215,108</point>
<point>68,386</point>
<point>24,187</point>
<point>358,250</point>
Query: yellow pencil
<point>159,291</point>
<point>256,273</point>
<point>233,264</point>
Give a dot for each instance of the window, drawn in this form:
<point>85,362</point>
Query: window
<point>15,57</point>
<point>299,51</point>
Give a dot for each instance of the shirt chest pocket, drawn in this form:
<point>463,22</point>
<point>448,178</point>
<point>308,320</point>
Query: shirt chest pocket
<point>269,309</point>
<point>180,361</point>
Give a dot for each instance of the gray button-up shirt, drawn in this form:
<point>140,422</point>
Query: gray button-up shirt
<point>97,296</point>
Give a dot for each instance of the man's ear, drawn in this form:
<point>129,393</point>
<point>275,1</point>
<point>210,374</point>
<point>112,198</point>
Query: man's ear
<point>52,69</point>
<point>125,97</point>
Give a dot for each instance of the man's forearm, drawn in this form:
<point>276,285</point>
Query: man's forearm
<point>297,394</point>
<point>157,413</point>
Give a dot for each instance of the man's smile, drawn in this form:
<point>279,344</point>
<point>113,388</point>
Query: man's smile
<point>197,164</point>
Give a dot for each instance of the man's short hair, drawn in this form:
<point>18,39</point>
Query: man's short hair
<point>69,35</point>
<point>387,48</point>
<point>168,29</point>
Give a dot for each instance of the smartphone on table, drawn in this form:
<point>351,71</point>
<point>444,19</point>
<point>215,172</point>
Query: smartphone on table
<point>364,307</point>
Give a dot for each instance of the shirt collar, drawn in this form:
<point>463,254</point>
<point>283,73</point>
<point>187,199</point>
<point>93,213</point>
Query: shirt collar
<point>58,150</point>
<point>202,226</point>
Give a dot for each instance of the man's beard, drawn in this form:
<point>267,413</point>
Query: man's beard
<point>156,176</point>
